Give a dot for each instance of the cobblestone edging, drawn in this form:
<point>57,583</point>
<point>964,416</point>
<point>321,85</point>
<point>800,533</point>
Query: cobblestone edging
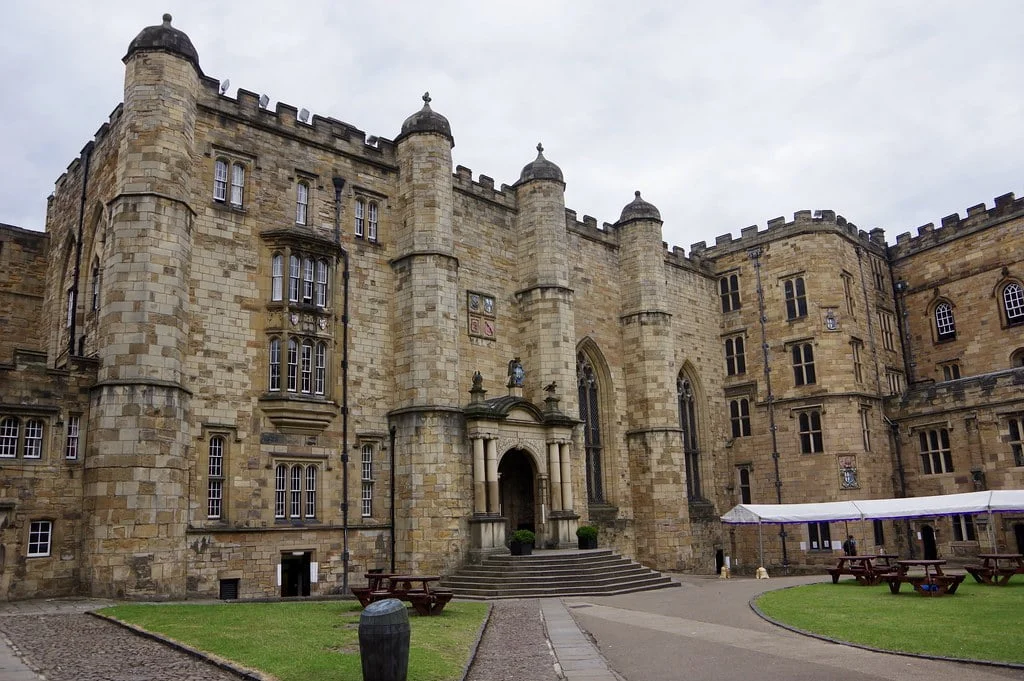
<point>822,637</point>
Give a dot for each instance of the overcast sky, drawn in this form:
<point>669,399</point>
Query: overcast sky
<point>724,114</point>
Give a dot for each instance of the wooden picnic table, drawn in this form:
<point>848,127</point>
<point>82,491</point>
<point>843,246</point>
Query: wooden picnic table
<point>933,582</point>
<point>868,569</point>
<point>996,568</point>
<point>425,599</point>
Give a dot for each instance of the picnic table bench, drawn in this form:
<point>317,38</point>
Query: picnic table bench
<point>868,570</point>
<point>933,582</point>
<point>996,568</point>
<point>425,600</point>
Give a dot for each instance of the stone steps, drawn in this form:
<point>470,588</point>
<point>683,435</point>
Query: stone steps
<point>553,574</point>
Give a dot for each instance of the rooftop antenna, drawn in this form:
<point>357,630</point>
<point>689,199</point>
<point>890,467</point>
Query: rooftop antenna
<point>304,115</point>
<point>264,100</point>
<point>224,85</point>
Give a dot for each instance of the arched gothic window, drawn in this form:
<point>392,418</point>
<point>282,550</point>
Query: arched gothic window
<point>1013,303</point>
<point>691,443</point>
<point>945,325</point>
<point>586,380</point>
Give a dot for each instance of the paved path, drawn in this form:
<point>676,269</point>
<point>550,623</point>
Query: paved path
<point>706,630</point>
<point>703,631</point>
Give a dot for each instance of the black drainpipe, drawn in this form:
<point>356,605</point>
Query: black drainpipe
<point>73,304</point>
<point>393,458</point>
<point>339,184</point>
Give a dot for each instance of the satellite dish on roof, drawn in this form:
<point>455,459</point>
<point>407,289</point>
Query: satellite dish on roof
<point>304,115</point>
<point>224,85</point>
<point>264,100</point>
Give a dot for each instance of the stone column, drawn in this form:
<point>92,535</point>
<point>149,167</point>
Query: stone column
<point>555,466</point>
<point>492,476</point>
<point>479,477</point>
<point>567,501</point>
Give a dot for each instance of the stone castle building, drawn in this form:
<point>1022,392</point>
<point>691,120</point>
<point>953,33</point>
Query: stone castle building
<point>256,354</point>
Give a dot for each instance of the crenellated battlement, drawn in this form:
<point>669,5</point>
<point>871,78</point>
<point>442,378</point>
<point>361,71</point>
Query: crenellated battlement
<point>804,221</point>
<point>952,227</point>
<point>101,135</point>
<point>483,188</point>
<point>320,131</point>
<point>588,228</point>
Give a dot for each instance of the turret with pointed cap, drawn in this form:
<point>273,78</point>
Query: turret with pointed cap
<point>427,120</point>
<point>164,38</point>
<point>540,169</point>
<point>638,209</point>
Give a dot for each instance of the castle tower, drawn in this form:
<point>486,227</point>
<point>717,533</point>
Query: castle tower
<point>654,446</point>
<point>547,335</point>
<point>427,415</point>
<point>136,478</point>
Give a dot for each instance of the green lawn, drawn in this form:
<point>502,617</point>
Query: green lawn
<point>309,641</point>
<point>977,623</point>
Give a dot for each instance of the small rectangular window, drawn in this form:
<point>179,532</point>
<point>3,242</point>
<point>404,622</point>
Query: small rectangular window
<point>739,415</point>
<point>322,274</point>
<point>735,356</point>
<point>856,346</point>
<point>277,277</point>
<point>796,297</point>
<point>819,536</point>
<point>848,291</point>
<point>729,289</point>
<point>879,528</point>
<point>40,535</point>
<point>301,203</point>
<point>371,227</point>
<point>865,428</point>
<point>10,429</point>
<point>237,184</point>
<point>885,321</point>
<point>950,371</point>
<point>71,446</point>
<point>803,364</point>
<point>360,217</point>
<point>33,448</point>
<point>963,528</point>
<point>936,455</point>
<point>220,181</point>
<point>294,276</point>
<point>745,496</point>
<point>811,441</point>
<point>1016,428</point>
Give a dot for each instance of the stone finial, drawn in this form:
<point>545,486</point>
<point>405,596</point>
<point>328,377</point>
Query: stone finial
<point>167,20</point>
<point>426,99</point>
<point>540,148</point>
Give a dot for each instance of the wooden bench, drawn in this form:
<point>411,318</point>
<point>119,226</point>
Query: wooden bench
<point>930,585</point>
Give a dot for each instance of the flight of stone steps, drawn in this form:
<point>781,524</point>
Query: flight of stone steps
<point>554,573</point>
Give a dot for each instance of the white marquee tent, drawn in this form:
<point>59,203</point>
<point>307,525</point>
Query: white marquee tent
<point>970,503</point>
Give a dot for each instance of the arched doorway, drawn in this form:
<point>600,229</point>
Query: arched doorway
<point>931,551</point>
<point>516,490</point>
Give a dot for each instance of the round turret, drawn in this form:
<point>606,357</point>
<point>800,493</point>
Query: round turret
<point>164,38</point>
<point>540,169</point>
<point>638,209</point>
<point>427,120</point>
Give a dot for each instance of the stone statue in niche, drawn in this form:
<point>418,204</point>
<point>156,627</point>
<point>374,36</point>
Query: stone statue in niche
<point>516,373</point>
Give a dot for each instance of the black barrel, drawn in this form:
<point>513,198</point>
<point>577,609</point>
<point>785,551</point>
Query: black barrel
<point>384,641</point>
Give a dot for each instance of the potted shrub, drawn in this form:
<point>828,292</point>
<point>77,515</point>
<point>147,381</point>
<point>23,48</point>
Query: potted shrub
<point>586,536</point>
<point>522,543</point>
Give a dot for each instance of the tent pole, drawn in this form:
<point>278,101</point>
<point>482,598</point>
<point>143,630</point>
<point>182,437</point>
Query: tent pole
<point>760,544</point>
<point>991,533</point>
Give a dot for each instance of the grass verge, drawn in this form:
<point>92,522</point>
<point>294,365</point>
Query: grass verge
<point>977,623</point>
<point>309,641</point>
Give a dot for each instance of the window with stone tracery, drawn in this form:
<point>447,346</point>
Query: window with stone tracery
<point>590,414</point>
<point>687,406</point>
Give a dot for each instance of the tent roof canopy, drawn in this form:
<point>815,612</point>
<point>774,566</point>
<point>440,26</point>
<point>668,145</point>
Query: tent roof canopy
<point>878,509</point>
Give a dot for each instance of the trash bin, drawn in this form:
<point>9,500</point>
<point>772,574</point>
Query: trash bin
<point>384,641</point>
